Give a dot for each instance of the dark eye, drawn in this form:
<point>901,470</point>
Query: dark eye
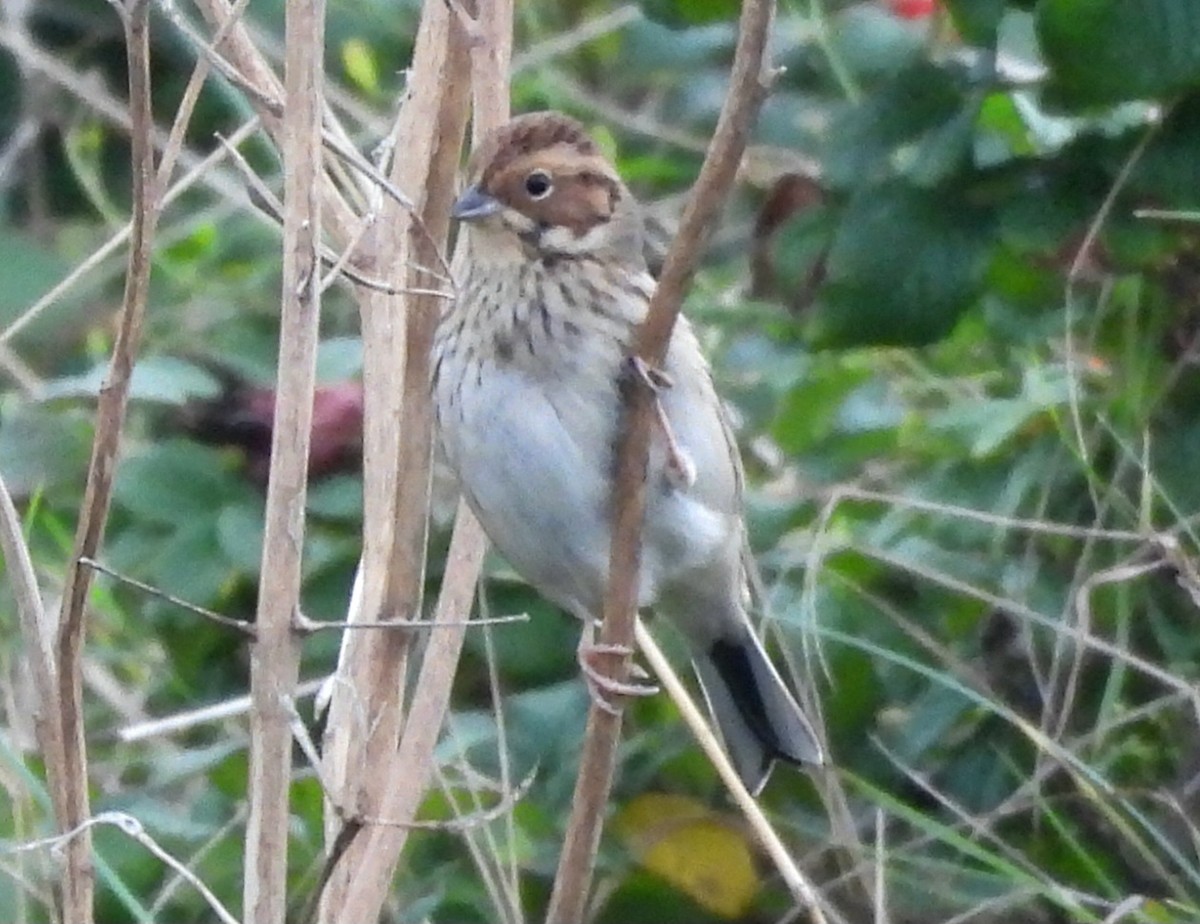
<point>538,185</point>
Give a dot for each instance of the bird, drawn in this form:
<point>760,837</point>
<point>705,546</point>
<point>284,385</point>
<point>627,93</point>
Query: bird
<point>528,361</point>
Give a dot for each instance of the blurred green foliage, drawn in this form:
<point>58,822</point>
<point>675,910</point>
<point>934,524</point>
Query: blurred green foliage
<point>962,356</point>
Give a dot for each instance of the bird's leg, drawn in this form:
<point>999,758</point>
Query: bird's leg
<point>680,469</point>
<point>601,686</point>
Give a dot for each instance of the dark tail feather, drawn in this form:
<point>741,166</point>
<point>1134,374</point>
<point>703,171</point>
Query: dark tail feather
<point>757,716</point>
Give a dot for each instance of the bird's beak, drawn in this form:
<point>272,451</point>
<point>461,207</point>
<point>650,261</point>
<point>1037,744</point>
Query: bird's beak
<point>474,204</point>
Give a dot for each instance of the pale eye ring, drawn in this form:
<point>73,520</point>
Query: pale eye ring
<point>538,185</point>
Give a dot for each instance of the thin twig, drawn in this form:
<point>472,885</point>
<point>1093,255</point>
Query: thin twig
<point>136,830</point>
<point>215,712</point>
<point>238,625</point>
<point>307,626</point>
<point>747,88</point>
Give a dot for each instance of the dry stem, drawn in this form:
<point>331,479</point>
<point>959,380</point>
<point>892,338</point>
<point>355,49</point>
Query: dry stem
<point>276,653</point>
<point>366,712</point>
<point>747,89</point>
<point>67,769</point>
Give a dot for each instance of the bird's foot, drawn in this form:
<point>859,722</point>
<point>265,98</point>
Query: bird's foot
<point>679,469</point>
<point>601,687</point>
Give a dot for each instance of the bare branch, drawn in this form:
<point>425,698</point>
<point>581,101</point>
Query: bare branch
<point>747,88</point>
<point>238,625</point>
<point>69,781</point>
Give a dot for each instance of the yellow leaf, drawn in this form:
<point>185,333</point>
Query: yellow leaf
<point>359,62</point>
<point>694,849</point>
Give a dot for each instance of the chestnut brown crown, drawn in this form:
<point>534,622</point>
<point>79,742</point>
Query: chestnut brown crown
<point>543,179</point>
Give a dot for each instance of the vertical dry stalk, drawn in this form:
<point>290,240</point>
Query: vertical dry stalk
<point>367,708</point>
<point>276,652</point>
<point>748,86</point>
<point>67,765</point>
<point>400,792</point>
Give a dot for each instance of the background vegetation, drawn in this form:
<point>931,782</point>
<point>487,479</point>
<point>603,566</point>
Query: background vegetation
<point>956,309</point>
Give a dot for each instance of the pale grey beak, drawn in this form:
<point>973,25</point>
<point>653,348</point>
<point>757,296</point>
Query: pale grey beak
<point>474,204</point>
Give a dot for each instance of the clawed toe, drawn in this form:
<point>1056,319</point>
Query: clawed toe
<point>680,470</point>
<point>601,687</point>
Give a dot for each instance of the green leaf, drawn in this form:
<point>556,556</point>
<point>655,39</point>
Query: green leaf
<point>177,481</point>
<point>359,61</point>
<point>337,498</point>
<point>30,270</point>
<point>1103,51</point>
<point>240,536</point>
<point>680,14</point>
<point>977,21</point>
<point>920,100</point>
<point>162,379</point>
<point>40,448</point>
<point>904,266</point>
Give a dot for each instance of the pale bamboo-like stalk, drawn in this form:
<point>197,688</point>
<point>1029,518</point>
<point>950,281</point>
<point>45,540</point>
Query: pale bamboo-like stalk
<point>748,85</point>
<point>275,658</point>
<point>367,710</point>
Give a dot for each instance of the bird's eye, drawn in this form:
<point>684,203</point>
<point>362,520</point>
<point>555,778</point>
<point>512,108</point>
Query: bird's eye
<point>538,185</point>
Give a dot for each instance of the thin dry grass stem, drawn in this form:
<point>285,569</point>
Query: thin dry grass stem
<point>110,247</point>
<point>503,754</point>
<point>275,663</point>
<point>834,798</point>
<point>749,83</point>
<point>181,722</point>
<point>1024,612</point>
<point>1045,527</point>
<point>230,828</point>
<point>1078,266</point>
<point>1025,795</point>
<point>980,829</point>
<point>228,622</point>
<point>881,911</point>
<point>21,373</point>
<point>487,858</point>
<point>91,93</point>
<point>804,892</point>
<point>37,637</point>
<point>134,829</point>
<point>1118,574</point>
<point>310,626</point>
<point>566,42</point>
<point>263,198</point>
<point>240,61</point>
<point>183,115</point>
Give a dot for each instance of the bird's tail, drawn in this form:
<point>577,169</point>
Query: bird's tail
<point>758,717</point>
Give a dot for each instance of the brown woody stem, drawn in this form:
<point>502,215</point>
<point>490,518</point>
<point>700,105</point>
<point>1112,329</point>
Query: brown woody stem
<point>748,86</point>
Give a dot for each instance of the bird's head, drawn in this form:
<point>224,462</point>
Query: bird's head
<point>539,188</point>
